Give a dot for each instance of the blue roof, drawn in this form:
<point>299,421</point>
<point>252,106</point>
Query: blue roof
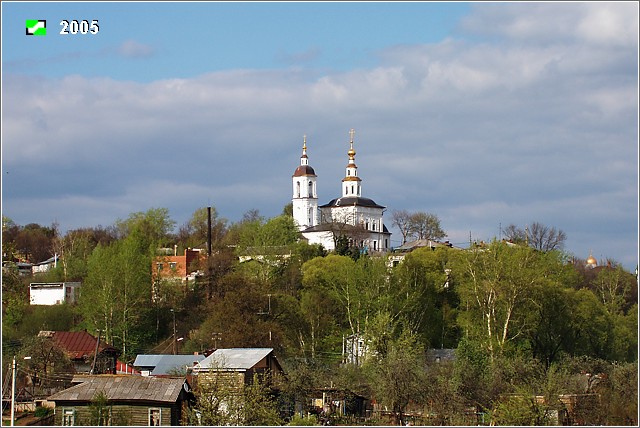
<point>166,364</point>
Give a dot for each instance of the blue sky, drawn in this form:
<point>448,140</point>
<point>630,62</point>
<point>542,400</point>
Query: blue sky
<point>485,114</point>
<point>187,39</point>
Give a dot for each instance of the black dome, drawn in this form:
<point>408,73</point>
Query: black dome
<point>346,201</point>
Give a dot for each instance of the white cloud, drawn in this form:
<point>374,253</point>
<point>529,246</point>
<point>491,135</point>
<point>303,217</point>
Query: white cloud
<point>134,49</point>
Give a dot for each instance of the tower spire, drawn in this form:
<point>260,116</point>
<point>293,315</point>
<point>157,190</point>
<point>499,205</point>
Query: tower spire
<point>351,181</point>
<point>304,160</point>
<point>351,152</point>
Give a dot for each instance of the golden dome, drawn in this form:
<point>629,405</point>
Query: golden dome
<point>592,260</point>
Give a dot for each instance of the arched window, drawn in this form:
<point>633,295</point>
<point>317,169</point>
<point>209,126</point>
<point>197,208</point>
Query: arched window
<point>298,188</point>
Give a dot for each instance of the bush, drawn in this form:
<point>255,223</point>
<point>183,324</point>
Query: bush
<point>41,412</point>
<point>297,420</point>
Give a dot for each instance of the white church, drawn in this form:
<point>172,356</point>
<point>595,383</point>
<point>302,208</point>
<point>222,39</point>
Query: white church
<point>352,216</point>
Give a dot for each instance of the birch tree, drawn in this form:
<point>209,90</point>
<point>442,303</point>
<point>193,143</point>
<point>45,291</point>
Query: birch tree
<point>496,283</point>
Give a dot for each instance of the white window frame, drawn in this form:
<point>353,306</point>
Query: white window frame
<point>159,410</point>
<point>68,411</point>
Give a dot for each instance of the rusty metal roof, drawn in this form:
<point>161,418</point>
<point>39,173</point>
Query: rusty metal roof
<point>124,388</point>
<point>77,344</point>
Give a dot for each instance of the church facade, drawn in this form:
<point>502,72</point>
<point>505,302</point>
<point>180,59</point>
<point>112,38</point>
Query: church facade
<point>350,216</point>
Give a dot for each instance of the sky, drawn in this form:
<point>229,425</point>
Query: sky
<point>484,114</point>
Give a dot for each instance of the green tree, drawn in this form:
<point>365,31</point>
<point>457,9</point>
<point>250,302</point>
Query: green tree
<point>424,299</point>
<point>399,377</point>
<point>496,286</point>
<point>116,297</point>
<point>153,227</point>
<point>425,226</point>
<point>47,360</point>
<point>194,233</point>
<point>259,407</point>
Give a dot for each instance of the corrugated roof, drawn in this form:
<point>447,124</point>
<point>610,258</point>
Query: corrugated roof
<point>165,364</point>
<point>148,360</point>
<point>77,344</point>
<point>124,388</point>
<point>234,358</point>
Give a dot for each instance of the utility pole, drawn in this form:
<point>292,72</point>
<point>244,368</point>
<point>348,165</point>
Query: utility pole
<point>174,330</point>
<point>13,390</point>
<point>95,353</point>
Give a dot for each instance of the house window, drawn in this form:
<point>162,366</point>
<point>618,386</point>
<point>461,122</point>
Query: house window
<point>155,417</point>
<point>173,265</point>
<point>68,417</point>
<point>159,265</point>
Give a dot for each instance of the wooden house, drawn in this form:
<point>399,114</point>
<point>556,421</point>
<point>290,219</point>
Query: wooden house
<point>127,400</point>
<point>239,365</point>
<point>81,348</point>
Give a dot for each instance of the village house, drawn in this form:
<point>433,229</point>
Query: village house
<point>87,352</point>
<point>128,400</point>
<point>239,365</point>
<point>176,267</point>
<point>46,265</point>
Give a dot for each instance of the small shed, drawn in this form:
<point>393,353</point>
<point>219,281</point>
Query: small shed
<point>129,400</point>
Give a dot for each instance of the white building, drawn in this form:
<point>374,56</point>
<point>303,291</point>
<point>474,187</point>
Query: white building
<point>305,198</point>
<point>351,215</point>
<point>53,293</point>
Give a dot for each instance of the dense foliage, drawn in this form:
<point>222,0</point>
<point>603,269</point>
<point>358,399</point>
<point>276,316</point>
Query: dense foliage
<point>526,321</point>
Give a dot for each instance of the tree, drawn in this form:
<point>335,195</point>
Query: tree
<point>116,297</point>
<point>219,401</point>
<point>153,227</point>
<point>538,236</point>
<point>425,226</point>
<point>496,285</point>
<point>402,220</point>
<point>47,360</point>
<point>195,233</point>
<point>76,246</point>
<point>399,377</point>
<point>418,225</point>
<point>423,299</point>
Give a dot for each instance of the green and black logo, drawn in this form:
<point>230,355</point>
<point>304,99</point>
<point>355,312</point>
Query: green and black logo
<point>36,27</point>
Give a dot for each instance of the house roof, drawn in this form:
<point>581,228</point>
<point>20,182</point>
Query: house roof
<point>346,201</point>
<point>419,243</point>
<point>125,388</point>
<point>166,364</point>
<point>77,344</point>
<point>239,359</point>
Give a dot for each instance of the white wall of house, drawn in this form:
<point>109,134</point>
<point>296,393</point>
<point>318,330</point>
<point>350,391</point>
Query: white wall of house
<point>55,293</point>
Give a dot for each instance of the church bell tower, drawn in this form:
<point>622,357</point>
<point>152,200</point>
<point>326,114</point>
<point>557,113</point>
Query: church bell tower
<point>305,198</point>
